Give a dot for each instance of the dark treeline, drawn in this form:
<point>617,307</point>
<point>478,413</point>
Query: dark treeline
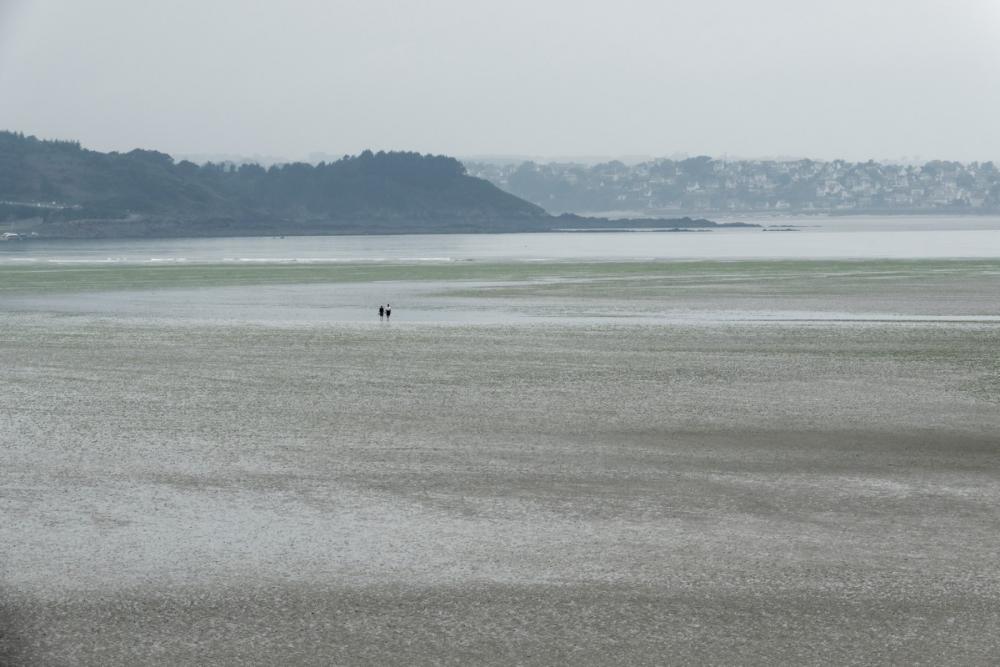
<point>58,188</point>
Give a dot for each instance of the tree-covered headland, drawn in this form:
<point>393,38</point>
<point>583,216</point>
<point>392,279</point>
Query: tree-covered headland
<point>58,188</point>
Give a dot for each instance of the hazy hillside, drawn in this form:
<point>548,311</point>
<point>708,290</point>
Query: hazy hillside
<point>57,188</point>
<point>702,185</point>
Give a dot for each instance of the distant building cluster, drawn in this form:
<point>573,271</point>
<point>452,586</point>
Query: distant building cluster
<point>705,185</point>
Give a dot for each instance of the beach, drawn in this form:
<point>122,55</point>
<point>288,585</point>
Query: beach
<point>535,463</point>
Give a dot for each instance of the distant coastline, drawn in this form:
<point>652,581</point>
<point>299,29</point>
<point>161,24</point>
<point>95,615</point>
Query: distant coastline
<point>712,187</point>
<point>59,190</point>
<point>145,228</point>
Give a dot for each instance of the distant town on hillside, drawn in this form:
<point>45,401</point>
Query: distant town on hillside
<point>702,185</point>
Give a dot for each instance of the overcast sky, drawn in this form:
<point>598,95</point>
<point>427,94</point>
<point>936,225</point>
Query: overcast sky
<point>856,79</point>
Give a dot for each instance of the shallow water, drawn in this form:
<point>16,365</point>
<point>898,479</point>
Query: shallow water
<point>313,305</point>
<point>817,238</point>
<point>664,293</point>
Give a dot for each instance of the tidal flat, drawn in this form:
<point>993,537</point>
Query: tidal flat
<point>533,463</point>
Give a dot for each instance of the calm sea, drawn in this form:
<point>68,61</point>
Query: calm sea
<point>808,238</point>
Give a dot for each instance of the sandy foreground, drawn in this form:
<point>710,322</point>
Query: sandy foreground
<point>542,488</point>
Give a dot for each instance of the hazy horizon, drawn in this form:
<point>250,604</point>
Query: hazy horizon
<point>903,81</point>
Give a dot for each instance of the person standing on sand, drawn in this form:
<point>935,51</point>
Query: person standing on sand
<point>388,312</point>
<point>381,312</point>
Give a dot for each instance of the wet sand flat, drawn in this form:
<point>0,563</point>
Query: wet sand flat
<point>177,489</point>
